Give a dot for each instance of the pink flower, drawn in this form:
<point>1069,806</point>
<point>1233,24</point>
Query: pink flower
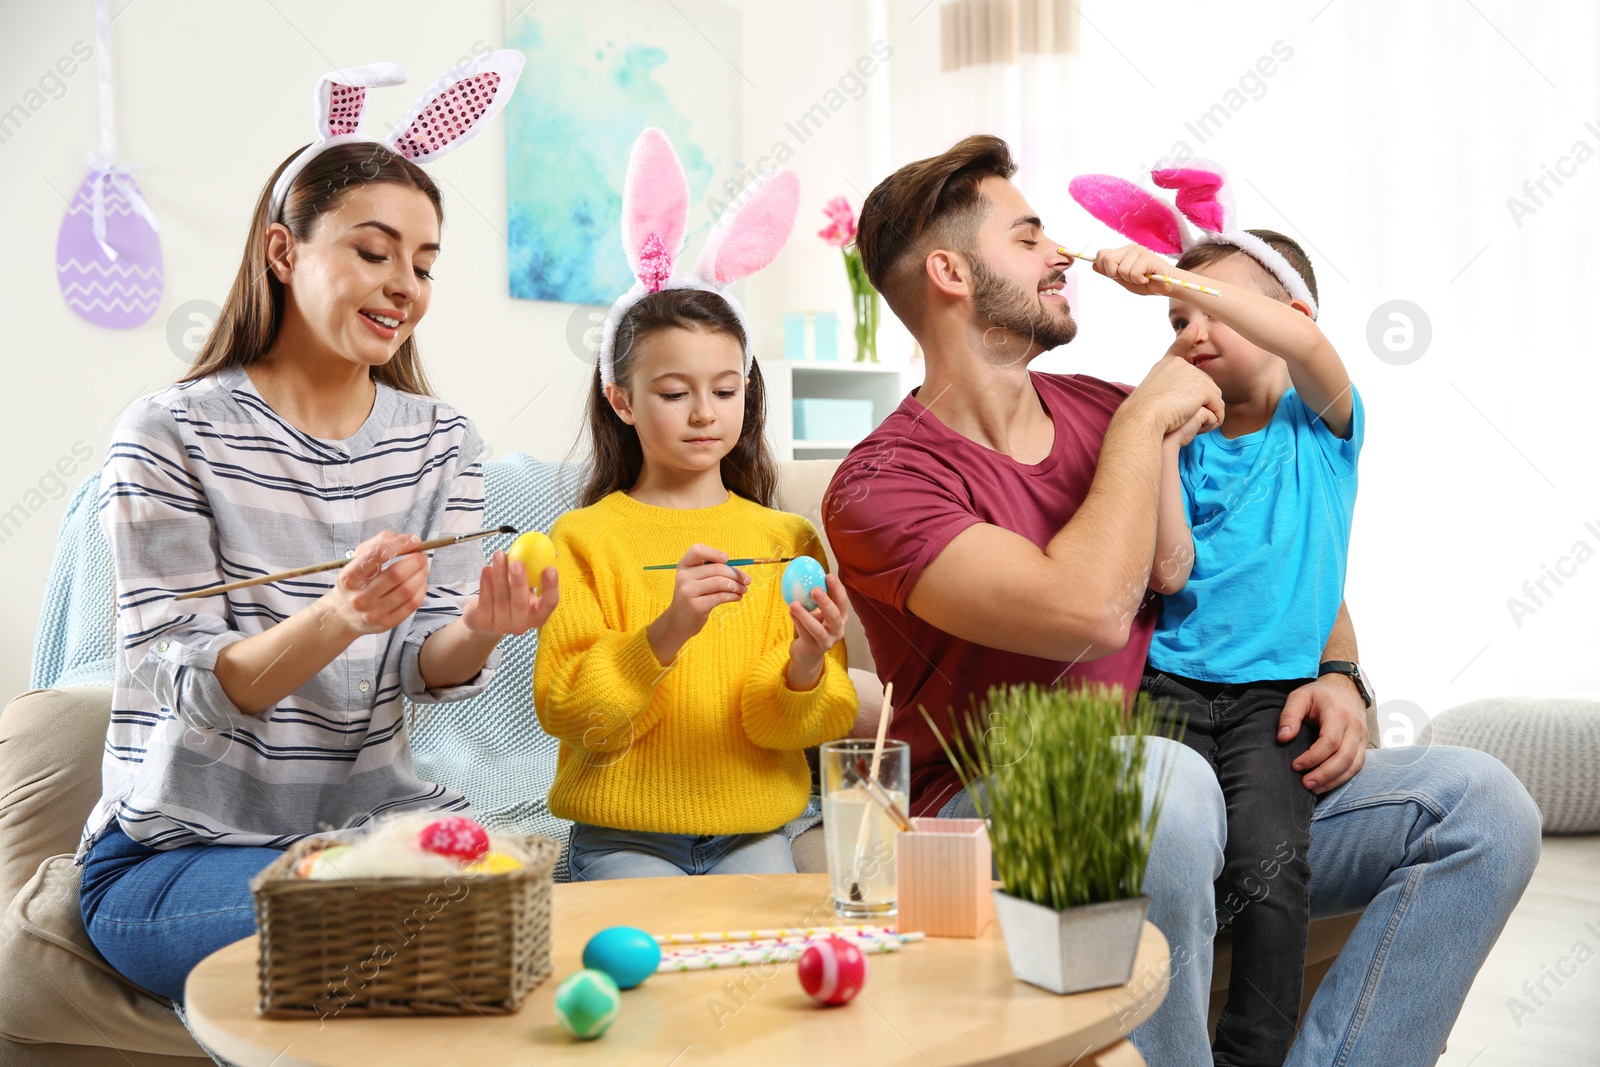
<point>842,227</point>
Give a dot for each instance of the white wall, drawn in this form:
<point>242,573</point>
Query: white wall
<point>210,97</point>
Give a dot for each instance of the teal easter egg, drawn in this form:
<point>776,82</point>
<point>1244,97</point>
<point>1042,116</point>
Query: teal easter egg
<point>627,954</point>
<point>587,1004</point>
<point>802,575</point>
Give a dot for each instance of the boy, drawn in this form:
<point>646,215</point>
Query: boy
<point>1252,543</point>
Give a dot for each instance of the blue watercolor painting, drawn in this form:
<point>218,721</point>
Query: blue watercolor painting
<point>597,74</point>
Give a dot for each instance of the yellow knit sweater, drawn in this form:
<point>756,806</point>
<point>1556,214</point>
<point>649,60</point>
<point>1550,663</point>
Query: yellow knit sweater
<point>710,744</point>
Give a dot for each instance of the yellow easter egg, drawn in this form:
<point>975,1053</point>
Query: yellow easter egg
<point>495,863</point>
<point>535,552</point>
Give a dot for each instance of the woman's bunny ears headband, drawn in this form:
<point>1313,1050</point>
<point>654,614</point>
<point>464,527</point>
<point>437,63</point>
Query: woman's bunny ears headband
<point>1204,198</point>
<point>446,117</point>
<point>655,216</point>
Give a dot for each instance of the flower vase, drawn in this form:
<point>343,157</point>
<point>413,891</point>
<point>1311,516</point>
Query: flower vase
<point>866,303</point>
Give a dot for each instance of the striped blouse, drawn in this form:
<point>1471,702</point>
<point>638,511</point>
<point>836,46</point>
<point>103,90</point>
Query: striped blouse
<point>204,484</point>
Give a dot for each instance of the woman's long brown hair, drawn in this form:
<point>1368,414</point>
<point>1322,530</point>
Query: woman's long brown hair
<point>749,469</point>
<point>253,312</point>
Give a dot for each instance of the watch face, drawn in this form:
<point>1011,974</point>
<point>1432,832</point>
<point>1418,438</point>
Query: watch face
<point>1367,688</point>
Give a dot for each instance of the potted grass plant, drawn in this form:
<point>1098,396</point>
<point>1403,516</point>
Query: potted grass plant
<point>1064,797</point>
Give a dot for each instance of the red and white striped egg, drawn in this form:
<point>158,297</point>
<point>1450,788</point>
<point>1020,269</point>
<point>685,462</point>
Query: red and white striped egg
<point>833,971</point>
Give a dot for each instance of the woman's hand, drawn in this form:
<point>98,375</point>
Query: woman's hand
<point>816,631</point>
<point>702,582</point>
<point>370,598</point>
<point>506,605</point>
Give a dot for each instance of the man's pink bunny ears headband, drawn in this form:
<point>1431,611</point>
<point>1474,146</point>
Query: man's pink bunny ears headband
<point>446,117</point>
<point>1204,198</point>
<point>655,216</point>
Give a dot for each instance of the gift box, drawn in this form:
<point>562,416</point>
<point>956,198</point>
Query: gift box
<point>943,874</point>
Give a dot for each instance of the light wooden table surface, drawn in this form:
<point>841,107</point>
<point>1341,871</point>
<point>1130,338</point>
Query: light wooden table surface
<point>941,1001</point>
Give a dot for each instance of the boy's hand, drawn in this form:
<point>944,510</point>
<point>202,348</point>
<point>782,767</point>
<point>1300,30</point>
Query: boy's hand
<point>816,631</point>
<point>1131,267</point>
<point>1200,422</point>
<point>506,605</point>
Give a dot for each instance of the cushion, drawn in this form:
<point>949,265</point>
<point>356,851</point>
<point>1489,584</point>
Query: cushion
<point>71,995</point>
<point>1548,743</point>
<point>50,745</point>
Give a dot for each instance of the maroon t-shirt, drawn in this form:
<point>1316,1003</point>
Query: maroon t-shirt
<point>901,496</point>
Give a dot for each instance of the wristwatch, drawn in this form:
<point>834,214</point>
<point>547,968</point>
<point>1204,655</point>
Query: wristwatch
<point>1354,672</point>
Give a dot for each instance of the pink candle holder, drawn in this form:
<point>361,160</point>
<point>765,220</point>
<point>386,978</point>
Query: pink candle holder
<point>944,875</point>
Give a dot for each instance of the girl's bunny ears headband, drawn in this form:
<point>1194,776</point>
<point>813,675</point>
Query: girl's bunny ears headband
<point>655,215</point>
<point>446,117</point>
<point>1204,198</point>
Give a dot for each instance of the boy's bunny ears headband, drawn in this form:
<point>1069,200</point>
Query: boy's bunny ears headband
<point>655,215</point>
<point>1204,198</point>
<point>446,117</point>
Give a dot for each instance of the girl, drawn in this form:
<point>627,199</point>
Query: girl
<point>683,699</point>
<point>305,430</point>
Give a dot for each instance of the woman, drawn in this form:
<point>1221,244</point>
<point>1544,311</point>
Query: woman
<point>304,431</point>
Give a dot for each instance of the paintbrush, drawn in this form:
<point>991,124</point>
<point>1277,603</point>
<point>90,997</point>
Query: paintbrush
<point>1157,277</point>
<point>731,563</point>
<point>335,564</point>
<point>872,776</point>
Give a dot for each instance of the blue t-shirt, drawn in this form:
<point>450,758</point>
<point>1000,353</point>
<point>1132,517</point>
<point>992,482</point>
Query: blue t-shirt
<point>1270,512</point>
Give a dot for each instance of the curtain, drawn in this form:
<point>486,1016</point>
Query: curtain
<point>976,32</point>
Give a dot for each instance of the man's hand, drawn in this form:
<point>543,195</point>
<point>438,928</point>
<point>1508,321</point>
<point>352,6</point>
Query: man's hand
<point>1333,703</point>
<point>1176,391</point>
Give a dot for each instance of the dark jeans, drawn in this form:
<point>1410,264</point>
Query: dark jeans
<point>1265,889</point>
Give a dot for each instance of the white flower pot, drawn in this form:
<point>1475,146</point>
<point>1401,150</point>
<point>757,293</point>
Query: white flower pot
<point>1088,947</point>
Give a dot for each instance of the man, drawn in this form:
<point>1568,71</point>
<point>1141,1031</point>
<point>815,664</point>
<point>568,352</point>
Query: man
<point>1000,527</point>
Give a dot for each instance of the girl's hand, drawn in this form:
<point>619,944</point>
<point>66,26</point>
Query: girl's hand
<point>506,605</point>
<point>369,598</point>
<point>702,582</point>
<point>817,631</point>
<point>1131,267</point>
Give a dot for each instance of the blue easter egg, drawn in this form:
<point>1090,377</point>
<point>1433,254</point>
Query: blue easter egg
<point>627,954</point>
<point>802,575</point>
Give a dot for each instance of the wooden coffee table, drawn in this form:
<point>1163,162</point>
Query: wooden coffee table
<point>941,1001</point>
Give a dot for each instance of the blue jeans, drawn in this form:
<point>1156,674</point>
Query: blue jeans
<point>595,853</point>
<point>1433,845</point>
<point>154,914</point>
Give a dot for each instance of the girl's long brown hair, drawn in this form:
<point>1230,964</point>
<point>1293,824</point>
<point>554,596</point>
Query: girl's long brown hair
<point>749,470</point>
<point>253,312</point>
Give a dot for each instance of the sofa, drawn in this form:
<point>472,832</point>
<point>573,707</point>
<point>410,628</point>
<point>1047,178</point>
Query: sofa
<point>60,1003</point>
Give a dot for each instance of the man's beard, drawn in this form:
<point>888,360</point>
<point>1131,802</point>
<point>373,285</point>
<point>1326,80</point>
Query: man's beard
<point>1017,317</point>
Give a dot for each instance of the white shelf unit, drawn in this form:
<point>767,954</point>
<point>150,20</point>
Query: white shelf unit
<point>884,384</point>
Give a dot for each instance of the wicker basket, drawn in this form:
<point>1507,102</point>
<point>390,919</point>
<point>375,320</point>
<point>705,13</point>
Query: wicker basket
<point>457,945</point>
